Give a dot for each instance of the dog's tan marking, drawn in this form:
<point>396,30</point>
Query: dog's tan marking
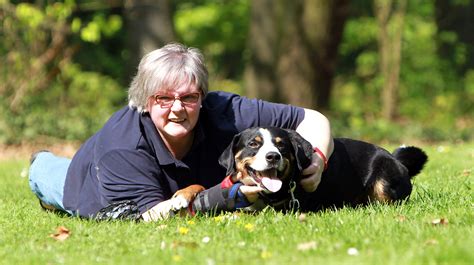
<point>258,139</point>
<point>237,156</point>
<point>378,193</point>
<point>190,192</point>
<point>240,165</point>
<point>278,140</point>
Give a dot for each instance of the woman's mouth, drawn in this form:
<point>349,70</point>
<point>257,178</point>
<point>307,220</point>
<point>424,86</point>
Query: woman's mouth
<point>176,120</point>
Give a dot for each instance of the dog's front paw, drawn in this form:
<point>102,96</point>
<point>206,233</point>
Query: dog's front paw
<point>178,202</point>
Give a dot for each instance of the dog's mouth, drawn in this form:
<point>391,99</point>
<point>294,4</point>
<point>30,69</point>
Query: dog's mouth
<point>267,179</point>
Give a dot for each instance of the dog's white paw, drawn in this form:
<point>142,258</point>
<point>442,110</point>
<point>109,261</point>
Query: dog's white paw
<point>178,203</point>
<point>166,209</point>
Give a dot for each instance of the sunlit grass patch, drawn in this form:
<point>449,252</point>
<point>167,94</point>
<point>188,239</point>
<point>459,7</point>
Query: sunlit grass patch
<point>435,226</point>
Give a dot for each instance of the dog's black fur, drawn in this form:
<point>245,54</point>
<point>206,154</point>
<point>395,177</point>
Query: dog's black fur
<point>357,173</point>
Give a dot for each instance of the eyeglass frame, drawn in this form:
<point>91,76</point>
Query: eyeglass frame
<point>179,97</point>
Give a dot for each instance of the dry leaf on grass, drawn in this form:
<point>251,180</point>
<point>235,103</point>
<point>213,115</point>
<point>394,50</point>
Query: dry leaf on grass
<point>440,221</point>
<point>184,244</point>
<point>307,246</point>
<point>401,218</point>
<point>62,233</point>
<point>431,242</point>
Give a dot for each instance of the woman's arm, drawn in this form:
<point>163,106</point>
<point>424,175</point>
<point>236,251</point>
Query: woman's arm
<point>216,199</point>
<point>316,129</point>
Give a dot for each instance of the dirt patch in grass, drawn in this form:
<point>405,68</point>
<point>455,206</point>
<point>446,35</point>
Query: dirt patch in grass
<point>24,151</point>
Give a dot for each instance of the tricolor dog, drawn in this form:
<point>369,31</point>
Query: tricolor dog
<point>273,158</point>
<point>357,172</point>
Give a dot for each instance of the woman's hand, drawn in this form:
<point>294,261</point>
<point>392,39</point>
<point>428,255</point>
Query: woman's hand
<point>312,174</point>
<point>251,192</point>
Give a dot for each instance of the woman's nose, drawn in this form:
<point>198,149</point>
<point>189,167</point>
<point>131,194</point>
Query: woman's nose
<point>177,105</point>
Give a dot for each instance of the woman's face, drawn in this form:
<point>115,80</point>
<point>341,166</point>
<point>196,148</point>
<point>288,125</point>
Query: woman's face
<point>176,112</point>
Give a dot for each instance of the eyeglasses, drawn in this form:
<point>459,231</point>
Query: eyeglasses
<point>166,101</point>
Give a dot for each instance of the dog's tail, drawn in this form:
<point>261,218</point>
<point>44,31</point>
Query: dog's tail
<point>413,158</point>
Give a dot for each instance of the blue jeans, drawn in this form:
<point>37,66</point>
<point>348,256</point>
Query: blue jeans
<point>47,178</point>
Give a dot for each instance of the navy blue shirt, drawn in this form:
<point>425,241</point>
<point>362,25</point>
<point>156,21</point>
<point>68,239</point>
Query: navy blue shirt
<point>127,159</point>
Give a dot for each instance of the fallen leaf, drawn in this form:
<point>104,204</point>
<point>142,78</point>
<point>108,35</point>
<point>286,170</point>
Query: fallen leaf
<point>466,172</point>
<point>440,221</point>
<point>62,233</point>
<point>401,218</point>
<point>184,244</point>
<point>431,242</point>
<point>307,246</point>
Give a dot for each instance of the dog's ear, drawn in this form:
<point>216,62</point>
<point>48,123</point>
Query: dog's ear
<point>303,149</point>
<point>227,158</point>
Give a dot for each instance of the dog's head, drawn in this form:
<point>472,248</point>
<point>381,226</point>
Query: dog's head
<point>266,157</point>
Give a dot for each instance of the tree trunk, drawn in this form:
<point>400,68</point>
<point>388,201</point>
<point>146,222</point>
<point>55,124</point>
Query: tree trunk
<point>324,25</point>
<point>390,40</point>
<point>456,17</point>
<point>294,67</point>
<point>293,49</point>
<point>260,72</point>
<point>150,25</point>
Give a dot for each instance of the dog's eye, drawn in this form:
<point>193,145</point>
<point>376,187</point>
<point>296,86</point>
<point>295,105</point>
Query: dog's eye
<point>280,145</point>
<point>253,144</point>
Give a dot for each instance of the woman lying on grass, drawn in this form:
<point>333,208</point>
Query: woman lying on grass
<point>168,137</point>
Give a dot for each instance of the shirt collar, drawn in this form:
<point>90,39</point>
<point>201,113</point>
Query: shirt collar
<point>158,146</point>
<point>153,138</point>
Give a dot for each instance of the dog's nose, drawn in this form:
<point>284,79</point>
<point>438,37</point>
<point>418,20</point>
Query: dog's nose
<point>273,157</point>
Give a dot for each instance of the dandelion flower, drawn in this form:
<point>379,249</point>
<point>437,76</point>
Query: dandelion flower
<point>249,227</point>
<point>183,230</point>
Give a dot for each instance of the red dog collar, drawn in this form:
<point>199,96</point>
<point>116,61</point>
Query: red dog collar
<point>321,154</point>
<point>227,183</point>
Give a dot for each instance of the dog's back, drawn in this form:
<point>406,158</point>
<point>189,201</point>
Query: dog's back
<point>361,172</point>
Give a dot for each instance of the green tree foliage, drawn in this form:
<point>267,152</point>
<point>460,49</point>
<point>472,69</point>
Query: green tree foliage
<point>43,91</point>
<point>436,102</point>
<point>62,66</point>
<point>219,28</point>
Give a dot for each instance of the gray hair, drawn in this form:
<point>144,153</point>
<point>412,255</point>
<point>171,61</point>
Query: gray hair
<point>164,69</point>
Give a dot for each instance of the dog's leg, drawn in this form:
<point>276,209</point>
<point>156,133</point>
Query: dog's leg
<point>183,197</point>
<point>178,204</point>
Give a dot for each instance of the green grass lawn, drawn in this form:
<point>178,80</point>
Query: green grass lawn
<point>378,234</point>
